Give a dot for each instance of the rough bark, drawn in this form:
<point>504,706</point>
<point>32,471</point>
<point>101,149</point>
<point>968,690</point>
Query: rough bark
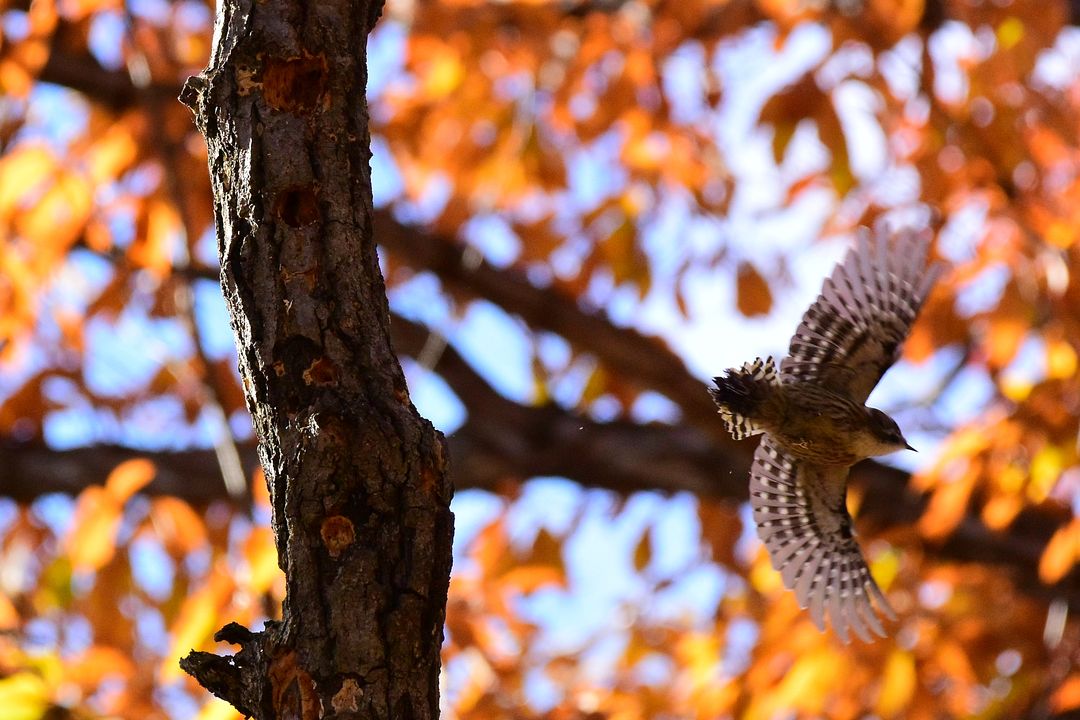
<point>358,481</point>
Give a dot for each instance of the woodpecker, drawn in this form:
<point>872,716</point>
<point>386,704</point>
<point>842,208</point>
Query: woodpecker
<point>815,425</point>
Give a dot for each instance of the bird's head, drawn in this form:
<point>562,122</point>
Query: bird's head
<point>886,433</point>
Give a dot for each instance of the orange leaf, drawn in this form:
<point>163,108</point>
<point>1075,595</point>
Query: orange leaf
<point>528,578</point>
<point>95,665</point>
<point>753,296</point>
<point>111,154</point>
<point>547,552</point>
<point>179,528</point>
<point>57,218</point>
<point>1067,696</point>
<point>1061,552</point>
<point>949,503</point>
<point>9,616</point>
<point>128,478</point>
<point>91,542</point>
<point>199,618</point>
<point>154,251</point>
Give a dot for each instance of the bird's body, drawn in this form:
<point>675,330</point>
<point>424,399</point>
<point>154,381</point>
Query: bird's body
<point>816,425</point>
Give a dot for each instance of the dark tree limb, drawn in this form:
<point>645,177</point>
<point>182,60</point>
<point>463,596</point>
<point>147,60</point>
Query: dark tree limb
<point>503,441</point>
<point>484,457</point>
<point>358,480</point>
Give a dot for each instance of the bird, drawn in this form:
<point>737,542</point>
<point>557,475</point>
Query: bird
<point>815,425</point>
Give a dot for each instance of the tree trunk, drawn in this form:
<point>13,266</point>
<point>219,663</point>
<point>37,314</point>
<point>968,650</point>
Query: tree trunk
<point>358,480</point>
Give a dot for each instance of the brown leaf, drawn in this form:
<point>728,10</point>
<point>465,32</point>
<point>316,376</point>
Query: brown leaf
<point>752,294</point>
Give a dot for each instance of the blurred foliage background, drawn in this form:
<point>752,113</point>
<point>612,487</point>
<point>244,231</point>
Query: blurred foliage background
<point>585,209</point>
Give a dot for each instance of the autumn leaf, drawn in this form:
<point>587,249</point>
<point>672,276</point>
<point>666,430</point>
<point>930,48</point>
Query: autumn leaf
<point>91,542</point>
<point>753,296</point>
<point>1061,553</point>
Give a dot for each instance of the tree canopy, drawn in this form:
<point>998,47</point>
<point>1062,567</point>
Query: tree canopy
<point>584,209</point>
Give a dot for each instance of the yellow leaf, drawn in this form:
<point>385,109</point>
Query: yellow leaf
<point>1010,32</point>
<point>24,696</point>
<point>595,386</point>
<point>215,709</point>
<point>262,560</point>
<point>1060,360</point>
<point>22,170</point>
<point>898,684</point>
<point>807,684</point>
<point>700,654</point>
<point>1046,468</point>
<point>128,478</point>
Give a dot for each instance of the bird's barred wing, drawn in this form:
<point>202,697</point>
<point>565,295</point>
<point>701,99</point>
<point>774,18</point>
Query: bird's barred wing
<point>802,518</point>
<point>852,333</point>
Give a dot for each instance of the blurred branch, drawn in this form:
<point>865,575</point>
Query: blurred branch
<point>639,358</point>
<point>503,441</point>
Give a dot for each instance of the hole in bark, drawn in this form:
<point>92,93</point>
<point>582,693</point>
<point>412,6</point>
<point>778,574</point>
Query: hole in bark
<point>321,372</point>
<point>294,84</point>
<point>297,206</point>
<point>337,533</point>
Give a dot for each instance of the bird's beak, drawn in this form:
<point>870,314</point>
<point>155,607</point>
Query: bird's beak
<point>908,446</point>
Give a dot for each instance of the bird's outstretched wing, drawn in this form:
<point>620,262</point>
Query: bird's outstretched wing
<point>802,518</point>
<point>852,333</point>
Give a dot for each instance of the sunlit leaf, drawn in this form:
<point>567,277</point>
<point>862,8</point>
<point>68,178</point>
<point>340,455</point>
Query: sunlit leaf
<point>1061,553</point>
<point>91,542</point>
<point>897,684</point>
<point>199,618</point>
<point>22,171</point>
<point>128,478</point>
<point>97,664</point>
<point>177,525</point>
<point>1067,695</point>
<point>24,696</point>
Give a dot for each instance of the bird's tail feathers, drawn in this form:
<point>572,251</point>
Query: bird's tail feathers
<point>740,394</point>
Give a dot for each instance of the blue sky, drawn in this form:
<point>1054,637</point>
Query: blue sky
<point>713,337</point>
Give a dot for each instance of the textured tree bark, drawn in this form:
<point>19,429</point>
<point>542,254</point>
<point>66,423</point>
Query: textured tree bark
<point>358,480</point>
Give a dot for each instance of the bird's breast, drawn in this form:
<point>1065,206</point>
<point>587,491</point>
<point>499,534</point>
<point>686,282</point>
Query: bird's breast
<point>821,427</point>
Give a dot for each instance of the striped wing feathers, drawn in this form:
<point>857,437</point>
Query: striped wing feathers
<point>801,516</point>
<point>852,333</point>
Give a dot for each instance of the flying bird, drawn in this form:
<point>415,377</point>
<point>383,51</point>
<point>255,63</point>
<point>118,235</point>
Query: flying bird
<point>816,425</point>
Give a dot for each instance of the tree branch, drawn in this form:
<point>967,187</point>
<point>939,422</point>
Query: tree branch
<point>503,441</point>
